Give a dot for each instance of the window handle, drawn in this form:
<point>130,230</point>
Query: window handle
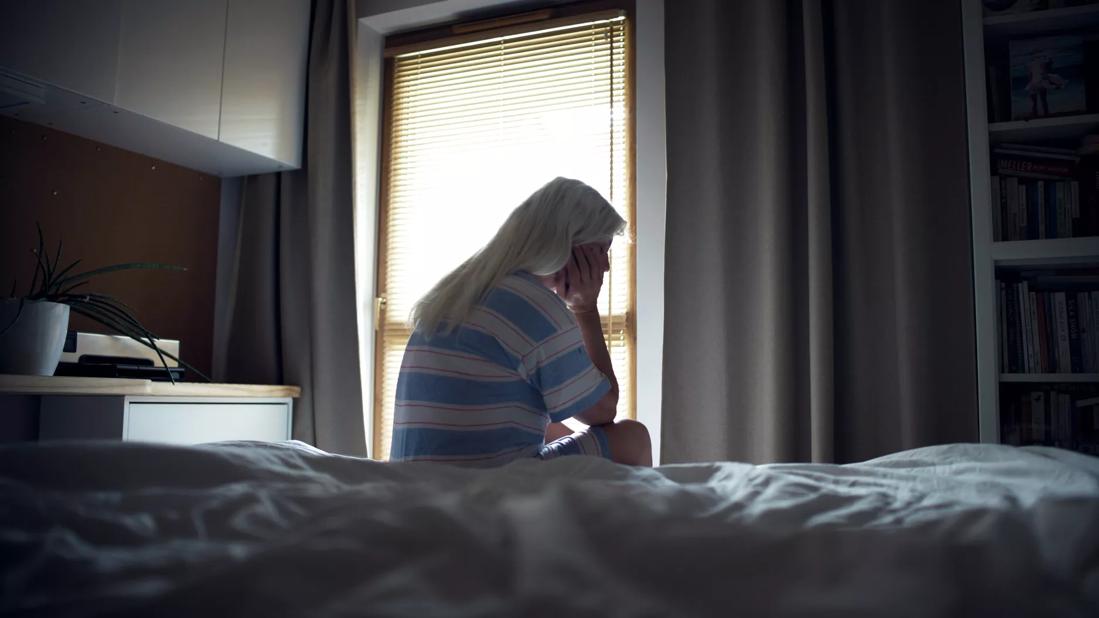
<point>379,308</point>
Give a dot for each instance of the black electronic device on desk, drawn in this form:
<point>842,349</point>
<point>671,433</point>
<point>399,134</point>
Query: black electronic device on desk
<point>93,355</point>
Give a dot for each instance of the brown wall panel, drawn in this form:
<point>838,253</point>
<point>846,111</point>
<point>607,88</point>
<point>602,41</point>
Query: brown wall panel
<point>110,205</point>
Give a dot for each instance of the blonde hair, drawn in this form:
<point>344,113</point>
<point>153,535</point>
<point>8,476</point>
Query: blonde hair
<point>537,237</point>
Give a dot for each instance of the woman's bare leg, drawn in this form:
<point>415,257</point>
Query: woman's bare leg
<point>629,442</point>
<point>557,430</point>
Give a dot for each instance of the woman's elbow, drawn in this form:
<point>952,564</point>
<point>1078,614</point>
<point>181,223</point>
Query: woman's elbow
<point>604,411</point>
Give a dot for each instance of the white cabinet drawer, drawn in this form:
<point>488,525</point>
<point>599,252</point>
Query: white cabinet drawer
<point>192,423</point>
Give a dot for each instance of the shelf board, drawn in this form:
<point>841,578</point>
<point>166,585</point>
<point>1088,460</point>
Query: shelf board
<point>1061,251</point>
<point>1041,22</point>
<point>66,385</point>
<point>1049,377</point>
<point>1057,128</point>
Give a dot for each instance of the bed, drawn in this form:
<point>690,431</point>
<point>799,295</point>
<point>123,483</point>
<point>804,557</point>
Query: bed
<point>285,529</point>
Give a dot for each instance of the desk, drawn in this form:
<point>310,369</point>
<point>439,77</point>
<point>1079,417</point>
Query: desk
<point>144,410</point>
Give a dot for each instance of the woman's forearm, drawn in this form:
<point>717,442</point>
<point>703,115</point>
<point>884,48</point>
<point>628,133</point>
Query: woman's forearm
<point>591,329</point>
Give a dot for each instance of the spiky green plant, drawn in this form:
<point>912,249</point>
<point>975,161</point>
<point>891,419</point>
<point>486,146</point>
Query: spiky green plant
<point>55,284</point>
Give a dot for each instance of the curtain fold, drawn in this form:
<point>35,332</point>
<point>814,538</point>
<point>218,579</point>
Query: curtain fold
<point>818,303</point>
<point>293,313</point>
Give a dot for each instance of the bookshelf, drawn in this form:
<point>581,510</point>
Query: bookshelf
<point>1046,378</point>
<point>985,40</point>
<point>1057,128</point>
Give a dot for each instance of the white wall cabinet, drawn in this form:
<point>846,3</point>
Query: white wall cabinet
<point>266,47</point>
<point>169,62</point>
<point>70,43</point>
<point>214,85</point>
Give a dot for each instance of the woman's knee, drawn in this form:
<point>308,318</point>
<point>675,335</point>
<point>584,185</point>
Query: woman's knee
<point>630,443</point>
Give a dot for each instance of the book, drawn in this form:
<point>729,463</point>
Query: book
<point>1001,313</point>
<point>1032,333</point>
<point>1086,194</point>
<point>1034,167</point>
<point>1044,203</point>
<point>996,209</point>
<point>1037,430</point>
<point>1058,198</point>
<point>1034,209</point>
<point>1064,356</point>
<point>1062,221</point>
<point>1094,302</point>
<point>1020,216</point>
<point>1047,76</point>
<point>1010,325</point>
<point>1064,422</point>
<point>1011,188</point>
<point>1051,333</point>
<point>1073,332</point>
<point>1083,316</point>
<point>1043,338</point>
<point>1024,325</point>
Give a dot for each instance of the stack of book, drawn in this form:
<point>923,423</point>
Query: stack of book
<point>1035,194</point>
<point>1049,323</point>
<point>1053,417</point>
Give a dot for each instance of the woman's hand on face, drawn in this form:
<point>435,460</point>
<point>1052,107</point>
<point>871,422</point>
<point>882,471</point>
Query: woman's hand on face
<point>584,277</point>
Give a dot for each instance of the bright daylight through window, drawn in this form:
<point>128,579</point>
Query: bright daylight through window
<point>471,130</point>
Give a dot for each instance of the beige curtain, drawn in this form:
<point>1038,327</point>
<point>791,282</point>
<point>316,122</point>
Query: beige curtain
<point>292,303</point>
<point>818,295</point>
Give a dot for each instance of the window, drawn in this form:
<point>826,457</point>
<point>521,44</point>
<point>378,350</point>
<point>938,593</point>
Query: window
<point>473,124</point>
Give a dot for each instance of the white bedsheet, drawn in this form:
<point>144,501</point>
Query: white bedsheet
<point>283,529</point>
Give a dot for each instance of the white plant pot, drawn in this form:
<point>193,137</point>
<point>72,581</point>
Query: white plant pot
<point>33,344</point>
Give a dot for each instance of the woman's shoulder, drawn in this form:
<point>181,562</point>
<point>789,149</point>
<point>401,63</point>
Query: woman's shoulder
<point>528,292</point>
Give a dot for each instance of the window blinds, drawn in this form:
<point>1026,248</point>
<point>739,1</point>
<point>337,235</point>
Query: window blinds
<point>472,129</point>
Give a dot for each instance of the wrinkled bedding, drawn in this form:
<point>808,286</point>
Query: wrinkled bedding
<point>284,529</point>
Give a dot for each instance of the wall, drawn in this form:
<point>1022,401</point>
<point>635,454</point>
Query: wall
<point>652,182</point>
<point>109,205</point>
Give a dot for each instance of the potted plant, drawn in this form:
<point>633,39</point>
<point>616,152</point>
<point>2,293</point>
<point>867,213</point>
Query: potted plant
<point>33,326</point>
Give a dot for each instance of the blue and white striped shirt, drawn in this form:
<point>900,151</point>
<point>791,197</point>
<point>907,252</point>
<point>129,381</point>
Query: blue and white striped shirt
<point>484,394</point>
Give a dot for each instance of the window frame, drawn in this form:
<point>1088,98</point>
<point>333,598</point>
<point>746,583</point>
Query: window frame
<point>487,27</point>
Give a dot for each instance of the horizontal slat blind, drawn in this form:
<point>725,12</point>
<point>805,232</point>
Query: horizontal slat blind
<point>473,130</point>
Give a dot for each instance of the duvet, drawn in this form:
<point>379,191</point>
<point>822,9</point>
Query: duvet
<point>262,529</point>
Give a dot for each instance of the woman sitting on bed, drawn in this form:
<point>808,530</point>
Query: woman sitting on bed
<point>509,344</point>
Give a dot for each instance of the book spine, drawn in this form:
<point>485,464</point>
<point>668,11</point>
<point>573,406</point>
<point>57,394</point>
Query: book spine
<point>1054,196</point>
<point>1034,208</point>
<point>1054,344</point>
<point>1020,223</point>
<point>1074,205</point>
<point>1062,224</point>
<point>1020,328</point>
<point>1043,340</point>
<point>1050,216</point>
<point>1011,195</point>
<point>1028,339</point>
<point>1001,306</point>
<point>1073,333</point>
<point>996,212</point>
<point>1037,416</point>
<point>1018,165</point>
<point>1011,325</point>
<point>1094,302</point>
<point>1048,201</point>
<point>1083,319</point>
<point>1057,423</point>
<point>1035,359</point>
<point>1034,219</point>
<point>1064,356</point>
<point>1064,433</point>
